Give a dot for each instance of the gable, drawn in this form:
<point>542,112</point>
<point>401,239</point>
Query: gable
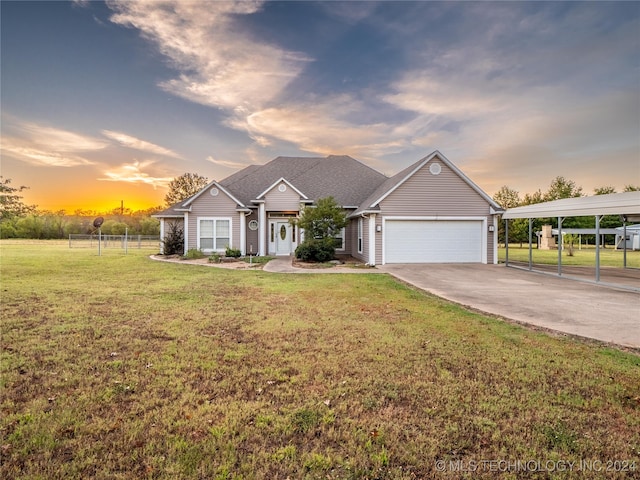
<point>434,189</point>
<point>415,193</point>
<point>213,201</point>
<point>283,197</point>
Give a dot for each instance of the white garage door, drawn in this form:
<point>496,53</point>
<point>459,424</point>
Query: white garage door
<point>433,241</point>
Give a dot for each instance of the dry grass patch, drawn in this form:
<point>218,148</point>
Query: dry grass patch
<point>120,367</point>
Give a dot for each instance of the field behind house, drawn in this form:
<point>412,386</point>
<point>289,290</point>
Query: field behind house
<point>119,367</point>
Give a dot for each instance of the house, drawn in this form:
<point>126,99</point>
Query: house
<point>632,239</point>
<point>429,212</point>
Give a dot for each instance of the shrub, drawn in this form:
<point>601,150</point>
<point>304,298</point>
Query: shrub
<point>173,241</point>
<point>232,252</point>
<point>319,250</point>
<point>194,254</point>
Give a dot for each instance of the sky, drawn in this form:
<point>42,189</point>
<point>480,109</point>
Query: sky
<point>103,103</point>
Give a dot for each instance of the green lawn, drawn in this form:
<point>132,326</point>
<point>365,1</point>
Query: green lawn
<point>121,367</point>
<point>586,256</point>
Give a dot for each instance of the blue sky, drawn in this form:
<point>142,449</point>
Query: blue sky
<point>103,102</point>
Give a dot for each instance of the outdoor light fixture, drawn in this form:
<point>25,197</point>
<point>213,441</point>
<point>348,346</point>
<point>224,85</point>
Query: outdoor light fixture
<point>492,228</point>
<point>378,228</point>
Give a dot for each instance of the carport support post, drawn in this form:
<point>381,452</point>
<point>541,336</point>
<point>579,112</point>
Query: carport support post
<point>560,246</point>
<point>530,244</point>
<point>624,249</point>
<point>506,242</point>
<point>598,217</point>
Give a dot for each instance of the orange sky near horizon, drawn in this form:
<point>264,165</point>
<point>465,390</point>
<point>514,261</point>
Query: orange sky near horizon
<point>92,196</point>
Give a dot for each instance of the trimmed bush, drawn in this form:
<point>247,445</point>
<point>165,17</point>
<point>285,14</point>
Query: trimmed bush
<point>232,252</point>
<point>318,250</point>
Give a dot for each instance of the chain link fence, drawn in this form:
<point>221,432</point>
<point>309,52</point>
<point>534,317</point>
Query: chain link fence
<point>114,241</point>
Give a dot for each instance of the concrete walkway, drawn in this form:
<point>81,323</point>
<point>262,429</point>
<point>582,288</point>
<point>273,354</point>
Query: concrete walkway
<point>285,265</point>
<point>586,310</point>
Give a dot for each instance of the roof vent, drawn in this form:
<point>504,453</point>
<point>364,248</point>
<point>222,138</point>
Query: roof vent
<point>435,168</point>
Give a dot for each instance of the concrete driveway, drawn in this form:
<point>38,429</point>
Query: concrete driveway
<point>587,310</point>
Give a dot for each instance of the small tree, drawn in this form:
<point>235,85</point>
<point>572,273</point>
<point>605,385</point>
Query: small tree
<point>321,224</point>
<point>173,241</point>
<point>11,204</point>
<point>184,186</point>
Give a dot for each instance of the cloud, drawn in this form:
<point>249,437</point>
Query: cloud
<point>40,157</point>
<point>226,163</point>
<point>46,146</point>
<point>136,143</point>
<point>134,173</point>
<point>219,64</point>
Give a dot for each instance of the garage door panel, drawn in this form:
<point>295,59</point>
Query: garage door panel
<point>433,241</point>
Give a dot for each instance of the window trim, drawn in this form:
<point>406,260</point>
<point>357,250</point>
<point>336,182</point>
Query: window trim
<point>215,239</point>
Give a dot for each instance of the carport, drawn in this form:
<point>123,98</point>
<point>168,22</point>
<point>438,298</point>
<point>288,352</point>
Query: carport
<point>626,205</point>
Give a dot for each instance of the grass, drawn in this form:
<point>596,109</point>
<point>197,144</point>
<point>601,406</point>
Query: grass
<point>609,257</point>
<point>121,367</point>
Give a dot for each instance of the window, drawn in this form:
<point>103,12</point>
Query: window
<point>360,220</point>
<point>340,240</point>
<point>214,234</point>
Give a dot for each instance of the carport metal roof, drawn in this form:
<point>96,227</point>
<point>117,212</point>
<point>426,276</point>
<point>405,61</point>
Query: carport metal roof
<point>627,203</point>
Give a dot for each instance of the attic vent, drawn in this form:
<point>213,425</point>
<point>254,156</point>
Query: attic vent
<point>214,192</point>
<point>282,187</point>
<point>435,169</point>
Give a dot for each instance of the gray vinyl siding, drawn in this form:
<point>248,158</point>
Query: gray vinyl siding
<point>277,201</point>
<point>209,206</point>
<point>427,195</point>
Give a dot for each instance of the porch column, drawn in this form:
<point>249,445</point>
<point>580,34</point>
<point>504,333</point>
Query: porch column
<point>162,236</point>
<point>243,234</point>
<point>372,239</point>
<point>186,232</point>
<point>262,230</point>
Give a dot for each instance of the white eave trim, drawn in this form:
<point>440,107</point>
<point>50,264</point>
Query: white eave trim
<point>282,179</point>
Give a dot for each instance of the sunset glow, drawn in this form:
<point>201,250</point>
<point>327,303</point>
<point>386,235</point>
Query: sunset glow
<point>107,102</point>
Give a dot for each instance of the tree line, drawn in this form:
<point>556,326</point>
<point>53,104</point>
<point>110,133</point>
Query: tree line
<point>19,220</point>
<point>559,188</point>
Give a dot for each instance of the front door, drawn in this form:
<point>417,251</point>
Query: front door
<point>283,238</point>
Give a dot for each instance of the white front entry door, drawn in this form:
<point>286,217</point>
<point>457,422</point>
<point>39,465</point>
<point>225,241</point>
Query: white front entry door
<point>283,238</point>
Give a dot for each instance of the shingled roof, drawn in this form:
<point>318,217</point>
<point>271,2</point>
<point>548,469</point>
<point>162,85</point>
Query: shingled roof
<point>342,177</point>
